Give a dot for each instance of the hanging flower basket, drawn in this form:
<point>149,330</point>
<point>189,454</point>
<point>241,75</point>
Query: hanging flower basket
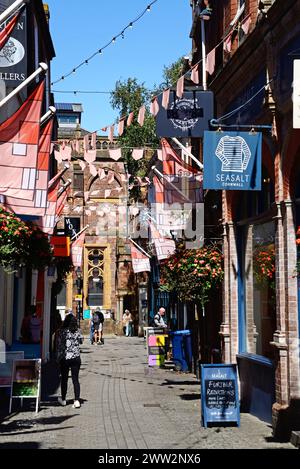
<point>193,273</point>
<point>22,244</point>
<point>264,266</point>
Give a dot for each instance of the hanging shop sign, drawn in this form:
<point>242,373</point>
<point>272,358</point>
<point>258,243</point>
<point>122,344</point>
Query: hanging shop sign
<point>185,117</point>
<point>72,226</point>
<point>13,56</point>
<point>296,95</point>
<point>61,246</point>
<point>232,160</point>
<point>219,394</point>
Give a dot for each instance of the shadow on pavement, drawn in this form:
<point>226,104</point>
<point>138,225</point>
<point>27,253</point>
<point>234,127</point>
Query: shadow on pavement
<point>28,424</point>
<point>23,445</point>
<point>169,382</point>
<point>190,397</point>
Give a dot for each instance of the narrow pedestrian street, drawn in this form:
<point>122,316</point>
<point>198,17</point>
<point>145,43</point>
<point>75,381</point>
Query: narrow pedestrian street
<point>125,405</point>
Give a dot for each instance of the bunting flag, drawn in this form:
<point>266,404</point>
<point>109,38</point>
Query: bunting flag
<point>164,247</point>
<point>180,87</point>
<point>38,205</point>
<point>246,24</point>
<point>141,116</point>
<point>140,262</point>
<point>82,165</point>
<point>115,154</point>
<point>86,143</point>
<point>130,119</point>
<point>101,174</point>
<point>121,127</point>
<point>77,250</point>
<point>93,170</point>
<point>6,32</point>
<point>111,177</point>
<point>77,146</point>
<point>159,155</point>
<point>227,44</point>
<point>195,74</point>
<point>166,99</point>
<point>137,153</point>
<point>111,133</point>
<point>19,139</point>
<point>107,193</point>
<point>94,141</point>
<point>211,61</point>
<point>90,156</point>
<point>154,108</point>
<point>66,153</point>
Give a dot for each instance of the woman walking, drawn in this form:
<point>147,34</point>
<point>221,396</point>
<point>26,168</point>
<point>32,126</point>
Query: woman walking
<point>69,339</point>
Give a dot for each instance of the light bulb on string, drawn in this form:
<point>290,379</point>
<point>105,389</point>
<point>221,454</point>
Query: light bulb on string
<point>113,40</point>
<point>130,25</point>
<point>148,7</point>
<point>100,51</point>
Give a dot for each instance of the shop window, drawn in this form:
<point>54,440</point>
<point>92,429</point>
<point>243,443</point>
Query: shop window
<point>263,309</point>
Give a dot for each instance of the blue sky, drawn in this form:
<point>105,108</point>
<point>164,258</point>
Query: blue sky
<point>80,28</point>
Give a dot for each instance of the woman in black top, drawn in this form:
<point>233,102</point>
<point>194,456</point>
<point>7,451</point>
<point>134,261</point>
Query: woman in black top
<point>69,339</point>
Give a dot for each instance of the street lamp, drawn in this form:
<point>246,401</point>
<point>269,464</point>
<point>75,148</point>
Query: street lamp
<point>79,292</point>
<point>204,15</point>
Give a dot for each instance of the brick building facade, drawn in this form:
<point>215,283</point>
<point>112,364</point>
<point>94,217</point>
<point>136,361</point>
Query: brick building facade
<point>260,327</point>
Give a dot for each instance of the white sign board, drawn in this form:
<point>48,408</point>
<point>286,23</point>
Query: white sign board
<point>296,95</point>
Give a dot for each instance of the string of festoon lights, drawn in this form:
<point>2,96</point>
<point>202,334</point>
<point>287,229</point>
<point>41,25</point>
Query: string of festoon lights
<point>112,41</point>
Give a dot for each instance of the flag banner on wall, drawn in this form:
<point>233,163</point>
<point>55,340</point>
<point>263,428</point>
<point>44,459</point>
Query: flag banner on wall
<point>140,262</point>
<point>188,116</point>
<point>19,139</point>
<point>232,160</point>
<point>164,247</point>
<point>8,29</point>
<point>38,205</point>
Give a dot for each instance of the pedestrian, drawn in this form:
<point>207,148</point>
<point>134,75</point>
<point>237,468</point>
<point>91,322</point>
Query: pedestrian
<point>92,331</point>
<point>127,323</point>
<point>130,325</point>
<point>98,320</point>
<point>25,327</point>
<point>68,343</point>
<point>35,327</point>
<point>159,318</point>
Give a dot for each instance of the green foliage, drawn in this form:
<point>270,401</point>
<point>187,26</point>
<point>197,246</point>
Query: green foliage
<point>127,97</point>
<point>193,274</point>
<point>22,244</point>
<point>172,73</point>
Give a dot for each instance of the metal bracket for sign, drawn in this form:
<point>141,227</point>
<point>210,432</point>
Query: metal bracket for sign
<point>215,123</point>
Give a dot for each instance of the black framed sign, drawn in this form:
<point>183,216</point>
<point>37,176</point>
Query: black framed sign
<point>185,117</point>
<point>13,56</point>
<point>219,394</point>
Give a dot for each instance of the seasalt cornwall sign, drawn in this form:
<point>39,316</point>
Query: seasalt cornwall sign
<point>232,160</point>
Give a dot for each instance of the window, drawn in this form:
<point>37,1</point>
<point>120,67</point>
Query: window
<point>262,310</point>
<point>78,181</point>
<point>68,119</point>
<point>95,277</point>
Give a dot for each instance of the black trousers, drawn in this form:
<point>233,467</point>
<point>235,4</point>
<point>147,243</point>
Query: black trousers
<point>65,366</point>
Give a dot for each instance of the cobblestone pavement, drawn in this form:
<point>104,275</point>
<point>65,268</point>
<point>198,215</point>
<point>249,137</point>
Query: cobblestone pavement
<point>125,404</point>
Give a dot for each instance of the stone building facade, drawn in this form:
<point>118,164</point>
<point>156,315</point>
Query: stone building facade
<point>260,327</point>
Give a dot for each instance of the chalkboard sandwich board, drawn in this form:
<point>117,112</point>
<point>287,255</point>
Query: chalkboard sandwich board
<point>219,394</point>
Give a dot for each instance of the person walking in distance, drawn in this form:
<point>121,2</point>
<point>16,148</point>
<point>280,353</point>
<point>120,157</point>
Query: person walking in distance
<point>159,318</point>
<point>98,320</point>
<point>69,339</point>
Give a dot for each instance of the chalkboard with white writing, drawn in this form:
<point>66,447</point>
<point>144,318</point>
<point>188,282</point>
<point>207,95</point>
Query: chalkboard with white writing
<point>219,394</point>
